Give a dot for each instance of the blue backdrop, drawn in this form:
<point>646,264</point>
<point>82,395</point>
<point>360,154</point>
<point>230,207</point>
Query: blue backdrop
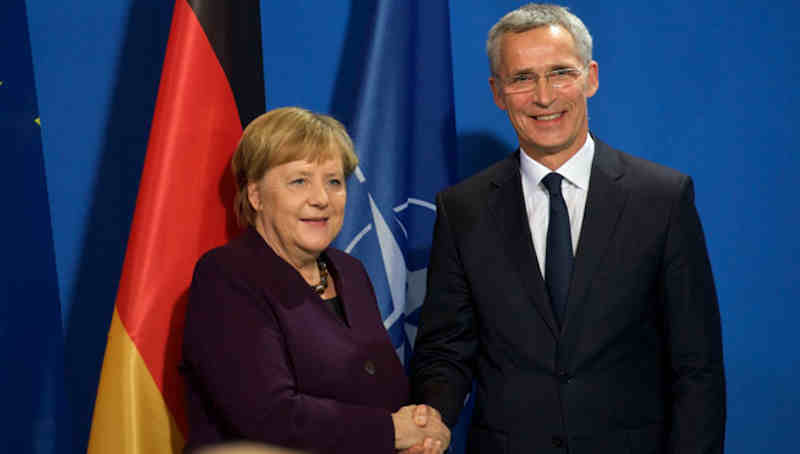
<point>705,87</point>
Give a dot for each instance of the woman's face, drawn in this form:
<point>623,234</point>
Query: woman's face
<point>300,207</point>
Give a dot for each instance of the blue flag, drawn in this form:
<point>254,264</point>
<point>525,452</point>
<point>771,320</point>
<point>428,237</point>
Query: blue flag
<point>403,127</point>
<point>31,335</point>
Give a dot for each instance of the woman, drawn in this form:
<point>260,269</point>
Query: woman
<point>283,342</point>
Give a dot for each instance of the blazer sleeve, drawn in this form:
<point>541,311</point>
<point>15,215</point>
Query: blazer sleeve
<point>447,341</point>
<point>692,328</point>
<point>237,352</point>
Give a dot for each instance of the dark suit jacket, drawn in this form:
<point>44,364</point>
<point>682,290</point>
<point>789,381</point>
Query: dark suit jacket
<point>266,360</point>
<point>637,365</point>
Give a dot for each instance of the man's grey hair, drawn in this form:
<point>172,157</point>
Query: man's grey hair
<point>535,15</point>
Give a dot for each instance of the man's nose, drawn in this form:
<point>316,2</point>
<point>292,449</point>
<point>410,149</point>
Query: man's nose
<point>544,93</point>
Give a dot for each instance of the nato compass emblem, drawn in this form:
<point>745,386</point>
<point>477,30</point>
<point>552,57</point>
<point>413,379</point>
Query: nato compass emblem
<point>394,245</point>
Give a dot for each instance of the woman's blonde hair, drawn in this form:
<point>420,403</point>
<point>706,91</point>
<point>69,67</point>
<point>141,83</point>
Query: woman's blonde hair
<point>284,135</point>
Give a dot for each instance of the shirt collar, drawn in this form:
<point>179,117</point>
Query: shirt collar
<point>576,170</point>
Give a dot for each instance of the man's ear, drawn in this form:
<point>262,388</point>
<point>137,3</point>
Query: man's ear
<point>592,80</point>
<point>254,196</point>
<point>496,93</point>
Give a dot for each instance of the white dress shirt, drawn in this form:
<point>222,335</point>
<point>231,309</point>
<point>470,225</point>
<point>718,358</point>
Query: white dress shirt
<point>575,186</point>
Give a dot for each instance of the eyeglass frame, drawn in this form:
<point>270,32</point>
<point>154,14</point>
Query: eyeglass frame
<point>505,82</point>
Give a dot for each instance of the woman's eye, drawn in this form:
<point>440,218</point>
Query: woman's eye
<point>335,182</point>
<point>298,181</point>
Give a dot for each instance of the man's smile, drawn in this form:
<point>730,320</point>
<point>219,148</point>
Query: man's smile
<point>548,117</point>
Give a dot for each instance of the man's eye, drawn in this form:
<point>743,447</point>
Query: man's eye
<point>524,77</point>
<point>562,74</point>
<point>298,181</point>
<point>335,182</point>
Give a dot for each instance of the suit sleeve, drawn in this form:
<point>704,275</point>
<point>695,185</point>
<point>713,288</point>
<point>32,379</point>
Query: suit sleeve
<point>692,327</point>
<point>237,353</point>
<point>447,341</point>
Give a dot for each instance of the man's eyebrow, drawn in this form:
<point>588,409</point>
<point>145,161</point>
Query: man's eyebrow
<point>524,71</point>
<point>554,67</point>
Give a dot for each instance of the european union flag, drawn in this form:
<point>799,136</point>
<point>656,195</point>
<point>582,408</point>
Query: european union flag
<point>31,338</point>
<point>404,132</point>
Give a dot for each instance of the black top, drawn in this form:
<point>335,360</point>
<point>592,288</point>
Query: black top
<point>335,305</point>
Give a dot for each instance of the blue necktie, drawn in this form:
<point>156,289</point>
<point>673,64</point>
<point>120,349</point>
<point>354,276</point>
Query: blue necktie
<point>559,259</point>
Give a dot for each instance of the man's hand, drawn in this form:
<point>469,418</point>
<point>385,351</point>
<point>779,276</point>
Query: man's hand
<point>428,420</point>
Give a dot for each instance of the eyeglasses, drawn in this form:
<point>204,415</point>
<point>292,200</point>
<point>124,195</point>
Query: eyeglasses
<point>558,79</point>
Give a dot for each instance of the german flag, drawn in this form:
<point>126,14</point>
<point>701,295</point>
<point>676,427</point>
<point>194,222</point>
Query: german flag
<point>212,85</point>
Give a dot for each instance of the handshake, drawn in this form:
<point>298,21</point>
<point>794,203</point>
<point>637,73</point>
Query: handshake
<point>418,429</point>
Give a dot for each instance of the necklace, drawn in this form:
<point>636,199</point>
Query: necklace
<point>323,278</point>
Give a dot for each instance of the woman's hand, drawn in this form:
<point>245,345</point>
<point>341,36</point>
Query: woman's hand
<point>419,430</point>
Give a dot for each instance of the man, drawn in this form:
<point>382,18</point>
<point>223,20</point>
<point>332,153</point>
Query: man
<point>571,281</point>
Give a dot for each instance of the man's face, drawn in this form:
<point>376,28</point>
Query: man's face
<point>548,121</point>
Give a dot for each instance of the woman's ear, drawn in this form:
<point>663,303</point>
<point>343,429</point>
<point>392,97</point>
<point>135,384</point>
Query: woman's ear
<point>254,196</point>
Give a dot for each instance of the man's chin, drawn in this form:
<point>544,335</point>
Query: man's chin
<point>549,149</point>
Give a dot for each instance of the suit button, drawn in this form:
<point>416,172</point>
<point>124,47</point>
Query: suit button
<point>558,442</point>
<point>369,367</point>
<point>564,378</point>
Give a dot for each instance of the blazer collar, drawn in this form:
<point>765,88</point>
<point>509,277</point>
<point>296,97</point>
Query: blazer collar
<point>284,279</point>
<point>507,204</point>
<point>604,205</point>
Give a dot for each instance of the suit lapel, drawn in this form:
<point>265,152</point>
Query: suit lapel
<point>604,204</point>
<point>507,204</point>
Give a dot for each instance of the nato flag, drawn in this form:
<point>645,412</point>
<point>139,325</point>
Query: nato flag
<point>403,127</point>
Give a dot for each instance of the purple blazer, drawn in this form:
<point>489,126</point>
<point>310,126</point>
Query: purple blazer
<point>266,360</point>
